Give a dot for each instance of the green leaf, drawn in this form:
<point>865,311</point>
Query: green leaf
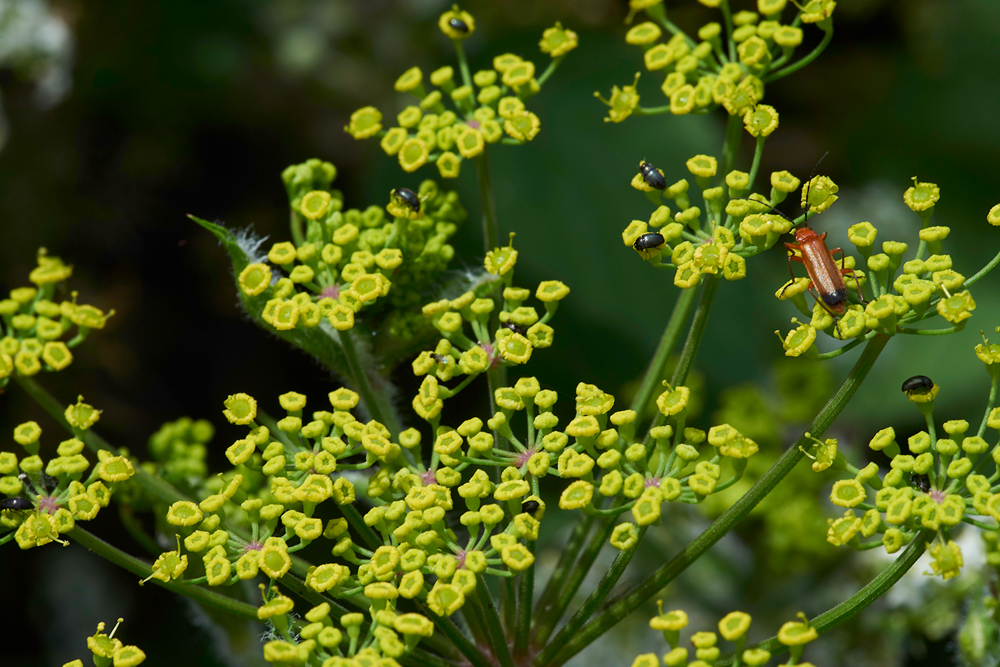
<point>322,342</point>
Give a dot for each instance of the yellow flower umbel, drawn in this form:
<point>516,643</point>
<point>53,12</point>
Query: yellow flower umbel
<point>457,119</point>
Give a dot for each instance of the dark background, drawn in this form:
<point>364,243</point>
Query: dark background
<point>192,107</point>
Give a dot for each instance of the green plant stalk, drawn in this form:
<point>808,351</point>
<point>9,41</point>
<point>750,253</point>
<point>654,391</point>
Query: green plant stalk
<point>877,587</point>
<point>796,66</point>
<point>755,167</point>
<point>491,230</point>
<point>497,638</point>
<point>697,331</point>
<point>381,413</point>
<point>983,271</point>
<point>295,225</point>
<point>553,614</point>
<point>691,344</point>
<point>354,518</point>
<point>138,533</point>
<point>611,577</point>
<point>448,628</point>
<point>463,62</point>
<point>522,624</point>
<point>567,644</point>
<point>731,147</point>
<point>567,557</point>
<point>141,569</point>
<point>668,341</point>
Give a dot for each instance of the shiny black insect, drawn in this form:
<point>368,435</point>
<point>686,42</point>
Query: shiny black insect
<point>16,504</point>
<point>918,383</point>
<point>652,176</point>
<point>458,25</point>
<point>649,242</point>
<point>922,482</point>
<point>440,358</point>
<point>407,197</point>
<point>530,506</point>
<point>514,327</point>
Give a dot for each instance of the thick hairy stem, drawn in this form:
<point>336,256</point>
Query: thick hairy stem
<point>565,645</point>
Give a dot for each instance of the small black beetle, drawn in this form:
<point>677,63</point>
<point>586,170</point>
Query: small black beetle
<point>458,25</point>
<point>514,327</point>
<point>647,243</point>
<point>16,504</point>
<point>407,197</point>
<point>919,383</point>
<point>530,506</point>
<point>652,176</point>
<point>922,482</point>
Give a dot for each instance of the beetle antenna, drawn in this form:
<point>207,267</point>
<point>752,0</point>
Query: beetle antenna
<point>805,221</point>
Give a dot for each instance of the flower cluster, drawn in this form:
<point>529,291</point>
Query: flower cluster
<point>519,330</point>
<point>733,627</point>
<point>487,107</point>
<point>54,495</point>
<point>320,639</point>
<point>726,67</point>
<point>344,262</point>
<point>281,478</point>
<point>33,326</point>
<point>108,650</point>
<point>692,246</point>
<point>902,291</point>
<point>936,486</point>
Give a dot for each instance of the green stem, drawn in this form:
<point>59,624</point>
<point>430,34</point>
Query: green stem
<point>491,231</point>
<point>567,557</point>
<point>668,341</point>
<point>692,343</point>
<point>563,647</point>
<point>138,533</point>
<point>448,628</point>
<point>731,147</point>
<point>727,17</point>
<point>553,614</point>
<point>757,153</point>
<point>929,332</point>
<point>696,332</point>
<point>857,602</point>
<point>498,640</point>
<point>522,622</point>
<point>298,236</point>
<point>141,569</point>
<point>983,271</point>
<point>463,63</point>
<point>380,412</point>
<point>357,522</point>
<point>796,66</point>
<point>550,70</point>
<point>989,405</point>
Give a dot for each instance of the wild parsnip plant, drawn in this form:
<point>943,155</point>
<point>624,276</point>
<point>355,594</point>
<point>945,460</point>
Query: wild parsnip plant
<point>422,527</point>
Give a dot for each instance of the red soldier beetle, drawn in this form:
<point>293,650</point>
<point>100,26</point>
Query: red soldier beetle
<point>826,279</point>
